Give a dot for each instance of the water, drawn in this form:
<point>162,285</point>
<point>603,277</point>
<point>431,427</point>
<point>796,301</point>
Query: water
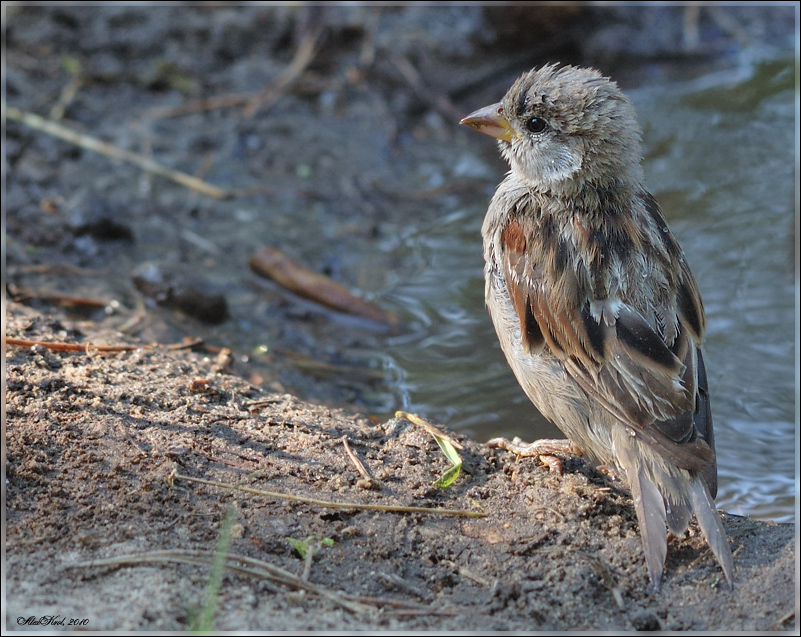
<point>721,161</point>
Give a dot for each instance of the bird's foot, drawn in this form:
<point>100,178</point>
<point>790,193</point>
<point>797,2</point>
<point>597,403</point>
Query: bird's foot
<point>553,462</point>
<point>609,471</point>
<point>543,449</point>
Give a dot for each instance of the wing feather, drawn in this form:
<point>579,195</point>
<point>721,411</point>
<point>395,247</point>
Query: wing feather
<point>618,353</point>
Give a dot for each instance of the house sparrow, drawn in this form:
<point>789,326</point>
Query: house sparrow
<point>594,304</point>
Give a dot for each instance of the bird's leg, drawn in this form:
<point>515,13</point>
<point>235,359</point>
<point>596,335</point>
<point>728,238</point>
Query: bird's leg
<point>543,449</point>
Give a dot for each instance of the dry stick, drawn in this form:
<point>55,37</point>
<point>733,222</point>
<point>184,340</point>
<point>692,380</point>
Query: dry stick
<point>66,98</point>
<point>324,503</point>
<point>210,104</point>
<point>73,347</point>
<point>257,568</point>
<point>92,143</point>
<point>261,569</point>
<point>307,561</point>
<point>779,623</point>
<point>356,462</point>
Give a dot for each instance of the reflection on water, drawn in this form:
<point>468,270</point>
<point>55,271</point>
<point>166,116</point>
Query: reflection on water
<point>721,163</point>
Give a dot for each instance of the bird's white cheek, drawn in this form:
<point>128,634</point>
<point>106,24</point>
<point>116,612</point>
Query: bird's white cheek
<point>545,163</point>
<point>564,164</point>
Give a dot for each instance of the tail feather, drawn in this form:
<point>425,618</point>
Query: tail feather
<point>669,500</point>
<point>651,515</point>
<point>677,509</point>
<point>678,517</point>
<point>712,527</point>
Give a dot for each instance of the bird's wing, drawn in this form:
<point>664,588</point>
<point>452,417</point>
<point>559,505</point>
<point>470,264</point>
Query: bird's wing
<point>657,388</point>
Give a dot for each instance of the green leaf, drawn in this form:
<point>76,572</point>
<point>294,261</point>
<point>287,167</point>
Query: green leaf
<point>302,547</point>
<point>449,477</point>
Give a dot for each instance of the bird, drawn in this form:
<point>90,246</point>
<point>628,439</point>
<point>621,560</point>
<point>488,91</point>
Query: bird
<point>593,301</point>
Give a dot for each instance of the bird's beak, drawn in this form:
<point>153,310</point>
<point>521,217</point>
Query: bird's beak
<point>490,121</point>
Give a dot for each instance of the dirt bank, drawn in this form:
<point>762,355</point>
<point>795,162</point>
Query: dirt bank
<point>93,439</point>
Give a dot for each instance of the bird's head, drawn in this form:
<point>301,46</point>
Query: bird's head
<point>562,128</point>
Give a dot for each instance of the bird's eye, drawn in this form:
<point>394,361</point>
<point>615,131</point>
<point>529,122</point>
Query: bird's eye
<point>536,125</point>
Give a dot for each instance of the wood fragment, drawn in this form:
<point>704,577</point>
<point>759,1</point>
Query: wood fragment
<point>72,347</point>
<point>273,264</point>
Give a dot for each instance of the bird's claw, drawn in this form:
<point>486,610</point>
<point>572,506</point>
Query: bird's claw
<point>542,449</point>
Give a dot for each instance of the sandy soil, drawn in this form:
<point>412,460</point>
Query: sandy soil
<point>93,440</point>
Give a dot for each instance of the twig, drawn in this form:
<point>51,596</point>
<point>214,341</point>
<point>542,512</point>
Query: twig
<point>552,510</point>
<point>367,478</point>
<point>265,571</point>
<point>391,580</point>
<point>188,342</point>
<point>70,90</point>
<point>780,623</point>
<point>211,104</point>
<point>307,561</point>
<point>72,347</point>
<point>328,504</point>
<point>20,294</point>
<point>85,347</point>
<point>238,563</point>
<point>466,572</point>
<point>92,143</point>
<point>425,612</point>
